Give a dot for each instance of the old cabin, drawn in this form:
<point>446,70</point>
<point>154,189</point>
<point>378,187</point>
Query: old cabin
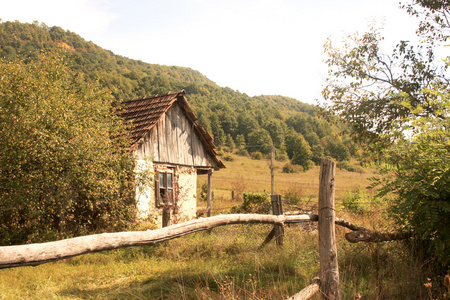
<point>168,142</point>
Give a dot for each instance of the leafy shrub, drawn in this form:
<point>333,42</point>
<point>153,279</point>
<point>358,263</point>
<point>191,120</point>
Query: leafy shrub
<point>64,159</point>
<point>281,156</point>
<point>293,196</point>
<point>257,155</point>
<point>228,157</point>
<point>254,203</point>
<point>356,201</point>
<point>290,168</point>
<point>242,152</point>
<point>349,167</point>
<point>204,193</point>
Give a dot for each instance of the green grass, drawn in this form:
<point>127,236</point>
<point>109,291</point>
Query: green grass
<point>225,263</point>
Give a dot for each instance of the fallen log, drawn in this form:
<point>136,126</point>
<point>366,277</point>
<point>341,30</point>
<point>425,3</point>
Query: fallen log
<point>36,254</point>
<point>308,291</point>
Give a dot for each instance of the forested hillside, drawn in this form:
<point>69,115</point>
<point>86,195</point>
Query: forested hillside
<point>235,119</point>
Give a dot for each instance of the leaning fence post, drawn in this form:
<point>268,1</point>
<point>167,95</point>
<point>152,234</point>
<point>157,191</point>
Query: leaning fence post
<point>329,270</point>
<point>277,209</point>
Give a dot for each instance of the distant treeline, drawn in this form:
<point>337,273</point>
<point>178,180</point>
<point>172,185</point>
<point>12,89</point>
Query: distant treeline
<point>236,120</point>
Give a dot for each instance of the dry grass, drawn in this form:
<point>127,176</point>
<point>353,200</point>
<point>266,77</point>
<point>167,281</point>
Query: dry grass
<point>225,263</point>
<point>248,175</point>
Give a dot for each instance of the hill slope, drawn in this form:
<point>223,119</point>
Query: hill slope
<point>232,117</point>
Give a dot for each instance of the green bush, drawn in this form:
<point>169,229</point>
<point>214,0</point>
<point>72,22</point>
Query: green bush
<point>281,156</point>
<point>242,152</point>
<point>257,155</point>
<point>349,167</point>
<point>293,197</point>
<point>204,193</point>
<point>356,201</point>
<point>290,168</point>
<point>65,168</point>
<point>254,203</point>
<point>228,157</point>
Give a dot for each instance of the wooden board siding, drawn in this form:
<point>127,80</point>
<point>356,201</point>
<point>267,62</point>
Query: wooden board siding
<point>173,140</point>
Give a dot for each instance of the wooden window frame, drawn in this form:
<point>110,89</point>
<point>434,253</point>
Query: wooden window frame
<point>164,192</point>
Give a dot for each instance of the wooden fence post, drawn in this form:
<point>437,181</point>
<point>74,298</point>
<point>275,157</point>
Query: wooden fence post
<point>209,194</point>
<point>277,209</point>
<point>329,270</point>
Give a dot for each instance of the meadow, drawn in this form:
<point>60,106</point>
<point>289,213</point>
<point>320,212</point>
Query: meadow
<point>226,262</point>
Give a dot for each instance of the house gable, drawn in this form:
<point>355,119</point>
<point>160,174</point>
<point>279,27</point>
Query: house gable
<point>165,129</point>
<point>173,140</point>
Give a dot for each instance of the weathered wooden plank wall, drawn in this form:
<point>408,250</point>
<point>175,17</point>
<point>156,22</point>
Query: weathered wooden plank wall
<point>173,140</point>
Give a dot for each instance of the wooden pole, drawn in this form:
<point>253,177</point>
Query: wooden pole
<point>277,209</point>
<point>272,167</point>
<point>209,195</point>
<point>329,270</point>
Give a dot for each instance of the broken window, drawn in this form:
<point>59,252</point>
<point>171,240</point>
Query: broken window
<point>164,188</point>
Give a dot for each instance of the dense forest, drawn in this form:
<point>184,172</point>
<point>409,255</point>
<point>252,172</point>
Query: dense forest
<point>235,119</point>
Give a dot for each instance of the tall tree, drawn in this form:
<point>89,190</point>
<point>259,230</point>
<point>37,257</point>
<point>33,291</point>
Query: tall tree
<point>399,106</point>
<point>299,150</point>
<point>64,163</point>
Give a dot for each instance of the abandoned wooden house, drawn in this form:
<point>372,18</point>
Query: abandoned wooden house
<point>167,141</point>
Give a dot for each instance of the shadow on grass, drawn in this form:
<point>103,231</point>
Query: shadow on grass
<point>266,281</point>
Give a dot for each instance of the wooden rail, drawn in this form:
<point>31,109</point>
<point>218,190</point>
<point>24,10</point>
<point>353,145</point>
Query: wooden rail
<point>327,280</point>
<point>36,254</point>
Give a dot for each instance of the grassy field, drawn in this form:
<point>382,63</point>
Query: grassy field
<point>244,174</point>
<point>226,263</point>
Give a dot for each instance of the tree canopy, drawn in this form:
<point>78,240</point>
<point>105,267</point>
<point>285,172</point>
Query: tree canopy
<point>65,168</point>
<point>398,105</point>
<point>224,112</point>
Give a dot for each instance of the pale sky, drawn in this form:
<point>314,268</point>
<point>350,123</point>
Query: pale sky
<point>258,47</point>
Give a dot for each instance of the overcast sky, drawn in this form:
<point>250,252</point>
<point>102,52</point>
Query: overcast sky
<point>270,47</point>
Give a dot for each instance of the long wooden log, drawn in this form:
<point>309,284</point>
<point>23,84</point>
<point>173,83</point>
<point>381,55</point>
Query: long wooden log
<point>36,254</point>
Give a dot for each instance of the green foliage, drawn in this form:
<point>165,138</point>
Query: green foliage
<point>257,155</point>
<point>422,181</point>
<point>317,154</point>
<point>299,150</point>
<point>290,168</point>
<point>356,201</point>
<point>228,157</point>
<point>336,149</point>
<point>259,140</point>
<point>403,118</point>
<point>204,193</point>
<point>293,197</point>
<point>64,163</point>
<point>281,156</point>
<point>229,142</point>
<point>254,203</point>
<point>350,167</point>
<point>249,121</point>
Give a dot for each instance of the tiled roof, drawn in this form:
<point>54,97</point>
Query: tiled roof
<point>144,113</point>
